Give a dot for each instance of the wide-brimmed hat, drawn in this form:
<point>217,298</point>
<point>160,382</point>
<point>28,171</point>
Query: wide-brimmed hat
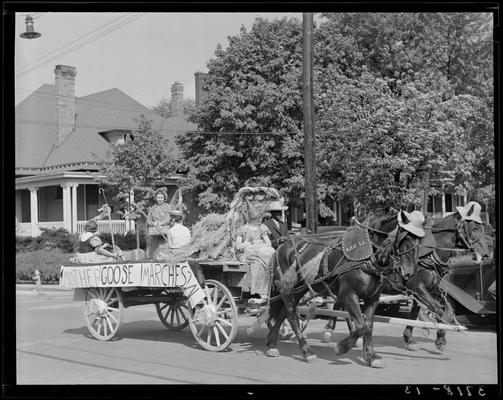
<point>412,222</point>
<point>176,213</point>
<point>470,212</point>
<point>91,226</point>
<point>277,206</point>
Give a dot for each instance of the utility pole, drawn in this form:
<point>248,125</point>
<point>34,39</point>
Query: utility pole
<point>309,137</point>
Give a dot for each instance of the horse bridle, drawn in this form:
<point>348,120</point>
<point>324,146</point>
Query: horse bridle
<point>461,230</point>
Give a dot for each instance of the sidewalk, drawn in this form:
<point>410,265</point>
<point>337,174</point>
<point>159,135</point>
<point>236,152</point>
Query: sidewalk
<point>25,288</point>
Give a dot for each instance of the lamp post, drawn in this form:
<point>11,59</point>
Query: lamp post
<point>309,137</point>
<point>30,33</point>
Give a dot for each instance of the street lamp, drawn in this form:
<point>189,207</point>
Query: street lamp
<point>30,33</point>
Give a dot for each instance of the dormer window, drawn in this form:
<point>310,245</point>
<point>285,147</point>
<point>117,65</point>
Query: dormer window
<point>115,136</point>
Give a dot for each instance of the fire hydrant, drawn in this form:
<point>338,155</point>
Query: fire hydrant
<point>38,281</point>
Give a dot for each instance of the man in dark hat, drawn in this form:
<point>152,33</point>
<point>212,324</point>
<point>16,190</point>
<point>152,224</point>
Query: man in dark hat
<point>277,227</point>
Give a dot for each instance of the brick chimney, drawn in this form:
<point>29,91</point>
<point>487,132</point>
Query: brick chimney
<point>199,87</point>
<point>65,101</point>
<point>177,99</point>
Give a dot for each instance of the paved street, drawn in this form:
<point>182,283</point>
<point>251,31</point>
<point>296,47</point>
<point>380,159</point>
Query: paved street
<point>54,347</point>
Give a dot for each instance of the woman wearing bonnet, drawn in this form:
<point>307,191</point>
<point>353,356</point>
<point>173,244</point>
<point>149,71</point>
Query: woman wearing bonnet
<point>254,248</point>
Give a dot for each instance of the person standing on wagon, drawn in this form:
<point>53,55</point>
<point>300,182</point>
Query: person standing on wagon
<point>277,227</point>
<point>158,221</point>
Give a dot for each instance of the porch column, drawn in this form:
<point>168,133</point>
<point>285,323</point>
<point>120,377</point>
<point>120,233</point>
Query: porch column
<point>74,207</point>
<point>67,206</point>
<point>34,210</point>
<point>443,204</point>
<point>131,222</point>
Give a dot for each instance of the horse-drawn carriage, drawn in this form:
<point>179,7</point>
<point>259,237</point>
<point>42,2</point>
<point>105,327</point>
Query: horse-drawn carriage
<point>205,287</point>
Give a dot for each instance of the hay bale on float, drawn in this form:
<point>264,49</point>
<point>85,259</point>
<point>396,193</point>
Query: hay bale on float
<point>214,235</point>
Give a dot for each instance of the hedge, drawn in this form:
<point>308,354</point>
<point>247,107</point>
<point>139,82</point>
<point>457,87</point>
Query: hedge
<point>68,243</point>
<point>47,261</point>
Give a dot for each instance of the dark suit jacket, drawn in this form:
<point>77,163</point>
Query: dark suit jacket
<point>276,232</point>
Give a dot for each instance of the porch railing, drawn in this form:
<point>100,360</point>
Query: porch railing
<point>115,226</point>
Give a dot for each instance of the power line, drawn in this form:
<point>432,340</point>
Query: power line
<point>68,44</point>
<point>77,46</point>
<point>97,36</point>
<point>45,123</point>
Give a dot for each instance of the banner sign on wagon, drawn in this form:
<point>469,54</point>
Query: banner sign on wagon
<point>148,274</point>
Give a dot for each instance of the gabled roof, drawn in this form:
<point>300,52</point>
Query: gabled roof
<point>36,131</point>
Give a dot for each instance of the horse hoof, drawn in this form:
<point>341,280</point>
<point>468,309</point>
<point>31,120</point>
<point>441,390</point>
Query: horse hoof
<point>338,350</point>
<point>411,346</point>
<point>272,353</point>
<point>377,364</point>
<point>359,342</point>
<point>327,336</point>
<point>310,358</point>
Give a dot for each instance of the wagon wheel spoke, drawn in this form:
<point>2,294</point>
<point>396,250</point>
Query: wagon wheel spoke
<point>176,312</point>
<point>199,333</point>
<point>109,323</point>
<point>219,326</point>
<point>93,293</point>
<point>208,294</point>
<point>172,315</point>
<point>215,296</point>
<point>108,296</point>
<point>111,316</point>
<point>208,338</point>
<point>217,337</point>
<point>163,307</point>
<point>224,322</point>
<point>224,311</point>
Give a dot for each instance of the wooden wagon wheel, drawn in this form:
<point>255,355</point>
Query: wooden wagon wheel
<point>103,311</point>
<point>214,323</point>
<point>173,313</point>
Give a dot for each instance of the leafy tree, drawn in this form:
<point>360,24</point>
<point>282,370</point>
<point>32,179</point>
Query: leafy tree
<point>253,86</point>
<point>140,164</point>
<point>163,108</point>
<point>403,106</point>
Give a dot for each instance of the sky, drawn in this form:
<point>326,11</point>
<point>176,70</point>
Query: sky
<point>142,54</point>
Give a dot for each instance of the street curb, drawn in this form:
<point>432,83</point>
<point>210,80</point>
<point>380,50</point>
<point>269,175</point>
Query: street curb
<point>45,288</point>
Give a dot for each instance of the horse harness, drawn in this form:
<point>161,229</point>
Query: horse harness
<point>367,265</point>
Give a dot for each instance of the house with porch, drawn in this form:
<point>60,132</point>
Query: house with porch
<point>61,139</point>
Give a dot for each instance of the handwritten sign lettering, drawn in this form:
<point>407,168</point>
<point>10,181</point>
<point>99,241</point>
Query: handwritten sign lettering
<point>149,274</point>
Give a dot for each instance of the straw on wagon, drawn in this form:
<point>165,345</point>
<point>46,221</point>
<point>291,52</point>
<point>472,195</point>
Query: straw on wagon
<point>214,234</point>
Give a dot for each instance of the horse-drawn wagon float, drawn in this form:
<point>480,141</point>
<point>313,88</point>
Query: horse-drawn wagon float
<point>201,285</point>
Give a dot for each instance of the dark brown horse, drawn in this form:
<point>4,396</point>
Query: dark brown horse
<point>333,272</point>
<point>443,238</point>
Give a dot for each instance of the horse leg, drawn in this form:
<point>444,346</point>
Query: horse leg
<point>277,314</point>
<point>290,304</point>
<point>369,355</point>
<point>352,306</point>
<point>410,343</point>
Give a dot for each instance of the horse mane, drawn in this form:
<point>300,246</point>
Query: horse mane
<point>383,254</point>
<point>385,222</point>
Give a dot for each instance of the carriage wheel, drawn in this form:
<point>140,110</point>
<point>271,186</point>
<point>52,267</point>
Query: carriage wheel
<point>173,313</point>
<point>214,323</point>
<point>103,311</point>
